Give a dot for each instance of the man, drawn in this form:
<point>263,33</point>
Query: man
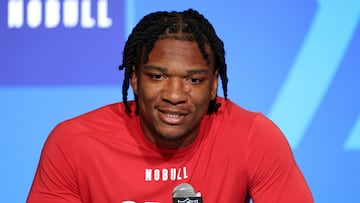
<point>176,131</point>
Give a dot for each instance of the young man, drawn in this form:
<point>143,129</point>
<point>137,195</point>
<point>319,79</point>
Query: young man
<point>176,131</point>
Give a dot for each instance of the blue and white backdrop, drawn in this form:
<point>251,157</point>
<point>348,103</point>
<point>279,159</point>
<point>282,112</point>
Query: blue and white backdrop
<point>298,62</point>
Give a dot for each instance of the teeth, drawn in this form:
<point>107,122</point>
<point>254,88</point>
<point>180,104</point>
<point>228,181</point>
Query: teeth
<point>173,115</point>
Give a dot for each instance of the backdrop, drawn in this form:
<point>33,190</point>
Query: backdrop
<point>297,61</point>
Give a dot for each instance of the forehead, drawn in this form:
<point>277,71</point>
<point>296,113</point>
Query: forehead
<point>181,52</point>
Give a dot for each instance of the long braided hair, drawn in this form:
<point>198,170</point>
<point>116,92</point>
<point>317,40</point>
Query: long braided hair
<point>187,25</point>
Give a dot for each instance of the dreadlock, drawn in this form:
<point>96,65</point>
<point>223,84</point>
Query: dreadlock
<point>187,25</point>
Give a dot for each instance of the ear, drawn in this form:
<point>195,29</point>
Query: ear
<point>214,85</point>
<point>134,80</point>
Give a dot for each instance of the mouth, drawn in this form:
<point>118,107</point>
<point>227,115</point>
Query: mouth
<point>171,117</point>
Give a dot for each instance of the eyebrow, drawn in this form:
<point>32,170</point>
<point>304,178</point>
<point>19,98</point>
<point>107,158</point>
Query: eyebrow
<point>157,68</point>
<point>197,71</point>
<point>164,70</point>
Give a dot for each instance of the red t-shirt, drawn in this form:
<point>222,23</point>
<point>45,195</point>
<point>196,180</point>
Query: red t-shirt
<point>103,157</point>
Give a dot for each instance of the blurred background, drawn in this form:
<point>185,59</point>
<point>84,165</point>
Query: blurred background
<point>297,61</point>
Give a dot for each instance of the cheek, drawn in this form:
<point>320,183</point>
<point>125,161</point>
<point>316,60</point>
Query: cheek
<point>201,97</point>
<point>148,92</point>
<point>203,92</point>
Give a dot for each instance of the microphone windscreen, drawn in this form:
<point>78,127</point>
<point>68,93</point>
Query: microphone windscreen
<point>183,190</point>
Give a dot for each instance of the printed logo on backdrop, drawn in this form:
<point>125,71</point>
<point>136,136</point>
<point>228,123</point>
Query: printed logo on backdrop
<point>61,42</point>
<point>54,13</point>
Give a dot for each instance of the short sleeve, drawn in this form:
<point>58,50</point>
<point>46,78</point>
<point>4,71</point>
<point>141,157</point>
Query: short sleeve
<point>271,168</point>
<point>55,179</point>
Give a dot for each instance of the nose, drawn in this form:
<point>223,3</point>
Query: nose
<point>175,91</point>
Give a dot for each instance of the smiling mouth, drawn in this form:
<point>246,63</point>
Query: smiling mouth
<point>172,117</point>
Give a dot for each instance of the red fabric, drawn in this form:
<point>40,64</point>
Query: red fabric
<point>102,156</point>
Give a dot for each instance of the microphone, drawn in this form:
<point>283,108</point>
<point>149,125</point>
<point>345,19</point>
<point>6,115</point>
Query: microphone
<point>185,193</point>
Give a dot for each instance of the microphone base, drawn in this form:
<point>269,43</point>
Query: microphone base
<point>187,200</point>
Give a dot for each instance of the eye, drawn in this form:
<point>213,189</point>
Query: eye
<point>194,80</point>
<point>156,76</point>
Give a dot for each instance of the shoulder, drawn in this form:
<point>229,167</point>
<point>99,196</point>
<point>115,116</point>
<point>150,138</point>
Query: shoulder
<point>102,115</point>
<point>253,129</point>
<point>235,116</point>
<point>107,118</point>
<point>78,136</point>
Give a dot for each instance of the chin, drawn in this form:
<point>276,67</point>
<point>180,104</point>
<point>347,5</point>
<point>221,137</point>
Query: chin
<point>167,136</point>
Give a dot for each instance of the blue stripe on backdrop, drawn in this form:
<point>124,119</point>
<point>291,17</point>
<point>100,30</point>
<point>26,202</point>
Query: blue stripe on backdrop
<point>353,141</point>
<point>129,16</point>
<point>316,65</point>
<point>28,114</point>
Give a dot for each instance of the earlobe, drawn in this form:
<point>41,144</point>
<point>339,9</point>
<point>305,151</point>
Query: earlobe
<point>214,85</point>
<point>134,81</point>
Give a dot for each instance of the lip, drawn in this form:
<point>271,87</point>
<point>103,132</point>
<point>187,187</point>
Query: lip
<point>172,117</point>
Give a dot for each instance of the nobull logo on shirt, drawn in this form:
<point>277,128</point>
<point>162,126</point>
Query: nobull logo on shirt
<point>53,13</point>
<point>166,174</point>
